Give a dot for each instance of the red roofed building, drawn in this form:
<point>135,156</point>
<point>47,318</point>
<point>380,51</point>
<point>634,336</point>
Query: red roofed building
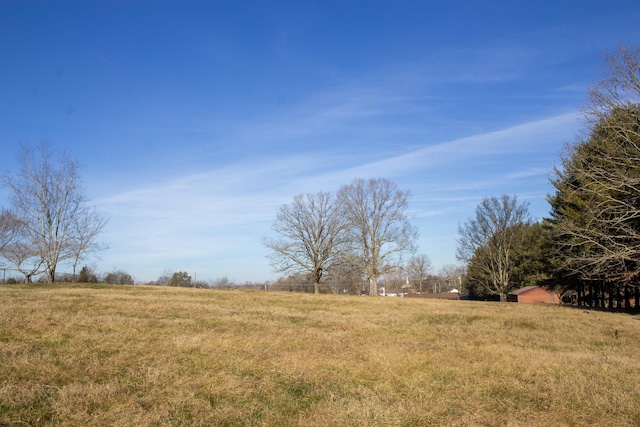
<point>534,294</point>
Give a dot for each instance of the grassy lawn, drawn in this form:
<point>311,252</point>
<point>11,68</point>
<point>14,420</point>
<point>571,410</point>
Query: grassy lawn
<point>154,356</point>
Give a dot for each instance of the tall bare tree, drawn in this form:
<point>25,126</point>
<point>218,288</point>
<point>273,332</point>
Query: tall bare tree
<point>47,196</point>
<point>310,236</point>
<point>380,231</point>
<point>488,242</point>
<point>419,267</point>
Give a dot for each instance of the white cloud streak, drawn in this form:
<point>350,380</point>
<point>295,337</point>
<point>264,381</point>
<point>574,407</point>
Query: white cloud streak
<point>221,210</point>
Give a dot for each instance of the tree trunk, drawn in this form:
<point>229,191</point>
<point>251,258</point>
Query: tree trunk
<point>75,266</point>
<point>611,296</point>
<point>619,296</point>
<point>580,294</point>
<point>373,286</point>
<point>627,299</point>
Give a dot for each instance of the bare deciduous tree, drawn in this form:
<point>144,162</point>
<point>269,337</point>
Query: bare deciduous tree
<point>16,248</point>
<point>165,277</point>
<point>419,267</point>
<point>310,234</point>
<point>47,196</point>
<point>24,257</point>
<point>396,281</point>
<point>489,241</point>
<point>379,227</point>
<point>346,277</point>
<point>9,227</point>
<point>450,277</point>
<point>222,283</point>
<point>620,88</point>
<point>86,227</point>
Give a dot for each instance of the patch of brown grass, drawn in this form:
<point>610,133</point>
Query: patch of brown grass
<point>99,355</point>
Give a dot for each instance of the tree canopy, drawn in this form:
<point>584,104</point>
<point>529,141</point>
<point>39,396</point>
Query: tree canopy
<point>489,242</point>
<point>363,228</point>
<point>379,228</point>
<point>47,197</point>
<point>310,237</point>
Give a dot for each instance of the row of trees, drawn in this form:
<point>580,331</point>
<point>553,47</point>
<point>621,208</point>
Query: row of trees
<point>399,280</point>
<point>595,210</point>
<point>49,222</point>
<point>85,275</point>
<point>362,230</point>
<point>115,277</point>
<point>589,246</point>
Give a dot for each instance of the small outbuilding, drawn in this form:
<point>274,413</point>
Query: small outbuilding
<point>534,294</point>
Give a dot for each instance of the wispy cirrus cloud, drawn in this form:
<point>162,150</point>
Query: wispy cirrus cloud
<point>203,214</point>
<point>358,129</point>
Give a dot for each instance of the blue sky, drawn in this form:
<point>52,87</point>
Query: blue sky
<point>194,121</point>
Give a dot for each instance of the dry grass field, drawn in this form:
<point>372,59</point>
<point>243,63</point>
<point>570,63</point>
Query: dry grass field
<point>151,356</point>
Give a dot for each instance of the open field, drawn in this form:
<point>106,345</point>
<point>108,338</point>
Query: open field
<point>123,355</point>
